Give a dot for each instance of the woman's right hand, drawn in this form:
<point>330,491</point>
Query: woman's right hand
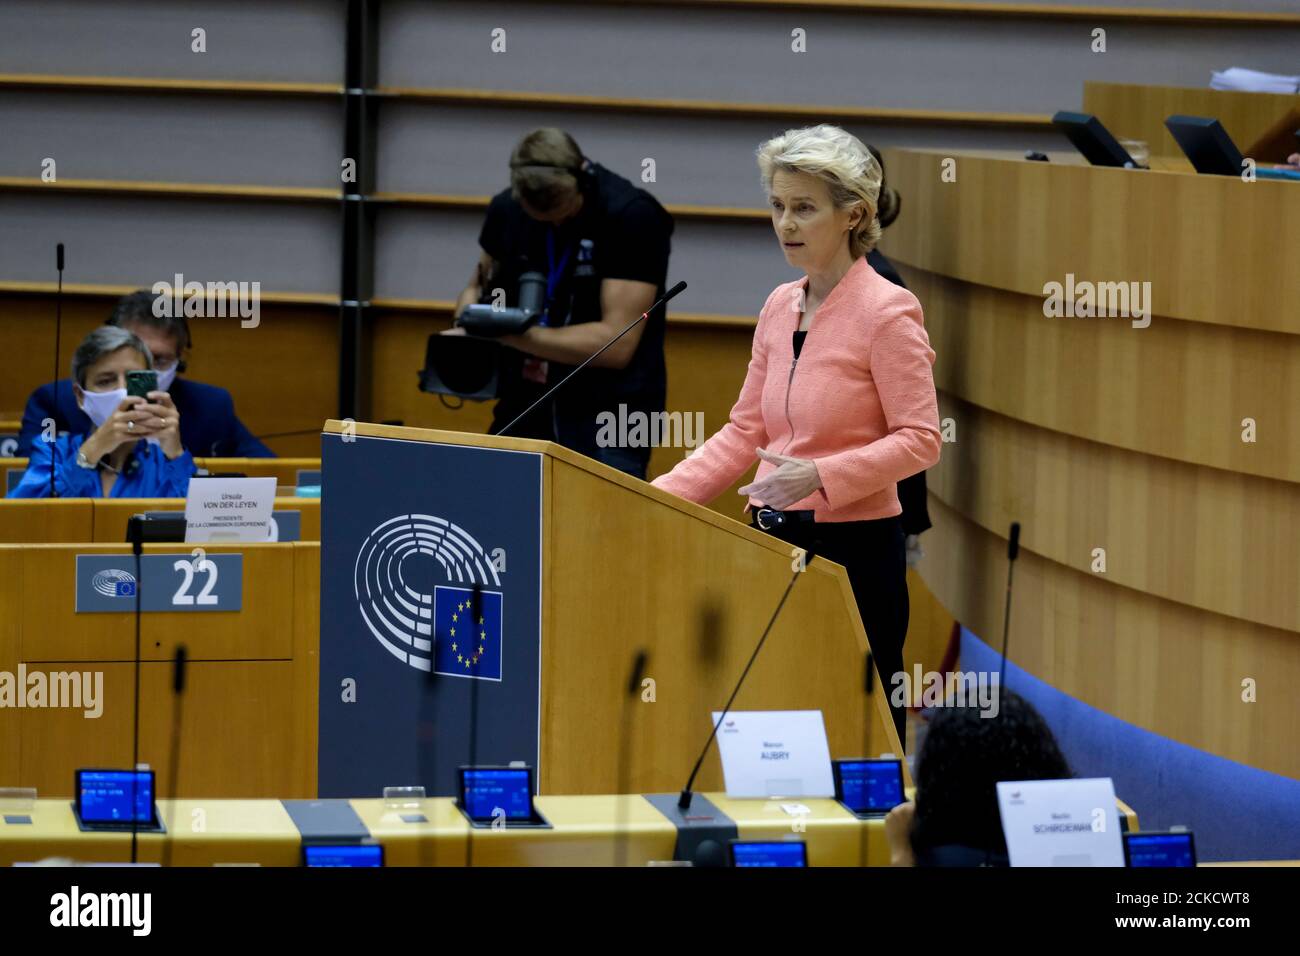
<point>126,424</point>
<point>898,833</point>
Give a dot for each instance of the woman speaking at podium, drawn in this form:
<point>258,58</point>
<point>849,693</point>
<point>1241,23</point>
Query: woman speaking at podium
<point>838,404</point>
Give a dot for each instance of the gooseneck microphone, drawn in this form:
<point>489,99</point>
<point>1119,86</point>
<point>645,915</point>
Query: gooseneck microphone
<point>58,328</point>
<point>684,802</point>
<point>135,534</point>
<point>174,772</point>
<point>1013,551</point>
<point>679,287</point>
<point>475,606</point>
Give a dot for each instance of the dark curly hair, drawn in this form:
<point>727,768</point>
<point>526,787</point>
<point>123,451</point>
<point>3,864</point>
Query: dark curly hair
<point>964,756</point>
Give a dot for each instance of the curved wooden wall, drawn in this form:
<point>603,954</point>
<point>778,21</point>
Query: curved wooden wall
<point>1096,434</point>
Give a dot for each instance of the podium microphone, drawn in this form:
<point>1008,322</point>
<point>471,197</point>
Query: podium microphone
<point>173,772</point>
<point>684,802</point>
<point>475,609</point>
<point>58,328</point>
<point>554,388</point>
<point>631,693</point>
<point>135,534</point>
<point>1013,551</point>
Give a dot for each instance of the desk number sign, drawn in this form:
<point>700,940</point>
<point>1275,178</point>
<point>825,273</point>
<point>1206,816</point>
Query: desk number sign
<point>195,581</point>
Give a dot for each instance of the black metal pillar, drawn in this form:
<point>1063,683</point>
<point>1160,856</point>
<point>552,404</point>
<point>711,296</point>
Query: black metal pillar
<point>358,247</point>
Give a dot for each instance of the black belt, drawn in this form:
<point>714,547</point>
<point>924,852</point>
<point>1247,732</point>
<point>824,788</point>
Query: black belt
<point>769,519</point>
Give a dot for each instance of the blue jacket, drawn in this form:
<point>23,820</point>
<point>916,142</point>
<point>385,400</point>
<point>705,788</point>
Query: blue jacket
<point>147,474</point>
<point>209,426</point>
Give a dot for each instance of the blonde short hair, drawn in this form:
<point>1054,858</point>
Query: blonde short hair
<point>842,162</point>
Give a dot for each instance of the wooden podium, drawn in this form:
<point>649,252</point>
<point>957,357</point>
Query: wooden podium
<point>622,567</point>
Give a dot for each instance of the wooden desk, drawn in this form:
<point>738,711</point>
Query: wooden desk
<point>112,514</point>
<point>835,837</point>
<point>283,470</point>
<point>46,521</point>
<point>249,716</point>
<point>40,519</point>
<point>585,832</point>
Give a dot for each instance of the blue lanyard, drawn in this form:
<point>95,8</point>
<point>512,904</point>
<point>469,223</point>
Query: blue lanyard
<point>554,272</point>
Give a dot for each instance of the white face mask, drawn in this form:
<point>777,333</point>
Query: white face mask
<point>165,378</point>
<point>99,405</point>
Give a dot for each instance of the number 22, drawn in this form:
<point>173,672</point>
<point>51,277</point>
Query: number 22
<point>205,597</point>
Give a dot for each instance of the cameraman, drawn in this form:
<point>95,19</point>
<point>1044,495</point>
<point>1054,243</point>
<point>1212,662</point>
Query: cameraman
<point>602,243</point>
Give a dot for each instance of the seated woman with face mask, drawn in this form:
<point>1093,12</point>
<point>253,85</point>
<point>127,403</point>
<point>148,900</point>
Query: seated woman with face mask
<point>135,448</point>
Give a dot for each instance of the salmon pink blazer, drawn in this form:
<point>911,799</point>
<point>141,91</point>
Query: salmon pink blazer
<point>859,401</point>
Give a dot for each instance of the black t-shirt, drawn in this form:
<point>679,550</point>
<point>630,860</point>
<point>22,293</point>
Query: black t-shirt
<point>628,232</point>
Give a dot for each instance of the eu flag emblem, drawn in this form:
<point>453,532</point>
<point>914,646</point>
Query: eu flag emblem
<point>465,646</point>
<point>124,589</point>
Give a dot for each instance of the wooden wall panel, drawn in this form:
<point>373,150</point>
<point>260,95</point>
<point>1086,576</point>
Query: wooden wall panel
<point>236,730</point>
<point>1215,249</point>
<point>1097,434</point>
<point>1163,666</point>
<point>283,374</point>
<point>1175,389</point>
<point>1133,111</point>
<point>1204,537</point>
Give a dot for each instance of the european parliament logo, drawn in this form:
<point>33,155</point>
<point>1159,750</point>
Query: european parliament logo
<point>395,566</point>
<point>114,583</point>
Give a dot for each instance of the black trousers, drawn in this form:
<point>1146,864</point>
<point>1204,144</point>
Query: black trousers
<point>873,552</point>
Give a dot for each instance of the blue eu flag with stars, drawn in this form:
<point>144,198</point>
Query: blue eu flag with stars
<point>464,646</point>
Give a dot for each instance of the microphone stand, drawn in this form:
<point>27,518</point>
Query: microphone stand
<point>135,531</point>
<point>556,387</point>
<point>58,328</point>
<point>1013,551</point>
<point>684,802</point>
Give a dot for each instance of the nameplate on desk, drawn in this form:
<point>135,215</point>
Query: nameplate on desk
<point>229,509</point>
<point>168,582</point>
<point>775,753</point>
<point>1061,822</point>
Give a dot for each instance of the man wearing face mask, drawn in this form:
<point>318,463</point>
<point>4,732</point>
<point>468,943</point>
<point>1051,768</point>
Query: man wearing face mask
<point>210,428</point>
<point>133,448</point>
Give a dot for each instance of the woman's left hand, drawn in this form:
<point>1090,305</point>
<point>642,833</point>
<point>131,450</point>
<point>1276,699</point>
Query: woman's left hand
<point>793,481</point>
<point>167,425</point>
